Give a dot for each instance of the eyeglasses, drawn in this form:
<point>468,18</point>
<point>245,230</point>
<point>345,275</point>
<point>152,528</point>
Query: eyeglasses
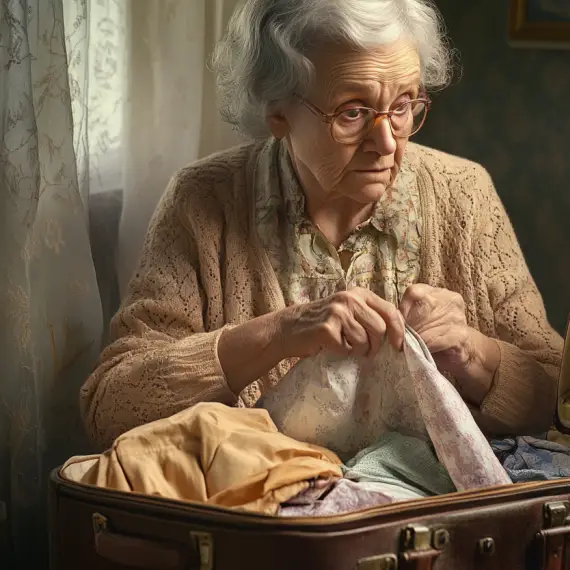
<point>353,125</point>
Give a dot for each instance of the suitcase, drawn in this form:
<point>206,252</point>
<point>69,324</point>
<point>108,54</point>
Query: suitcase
<point>516,527</point>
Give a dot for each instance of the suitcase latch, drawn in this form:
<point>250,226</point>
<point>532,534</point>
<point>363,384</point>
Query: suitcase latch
<point>100,523</point>
<point>205,548</point>
<point>555,514</point>
<point>553,539</point>
<point>421,547</point>
<point>385,562</point>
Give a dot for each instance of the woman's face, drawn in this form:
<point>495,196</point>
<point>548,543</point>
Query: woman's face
<point>381,79</point>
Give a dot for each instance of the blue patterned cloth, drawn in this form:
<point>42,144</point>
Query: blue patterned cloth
<point>531,459</point>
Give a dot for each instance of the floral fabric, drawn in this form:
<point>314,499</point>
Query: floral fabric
<point>383,251</point>
<point>338,404</point>
<point>345,497</point>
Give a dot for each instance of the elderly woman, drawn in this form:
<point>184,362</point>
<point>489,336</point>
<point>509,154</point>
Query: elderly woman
<point>330,233</point>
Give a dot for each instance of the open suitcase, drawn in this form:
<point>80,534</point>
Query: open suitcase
<point>516,527</point>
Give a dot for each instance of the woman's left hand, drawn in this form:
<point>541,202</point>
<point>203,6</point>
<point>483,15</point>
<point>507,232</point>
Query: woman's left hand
<point>438,316</point>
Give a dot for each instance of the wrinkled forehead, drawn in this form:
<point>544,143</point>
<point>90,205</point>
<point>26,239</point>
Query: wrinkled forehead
<point>341,70</point>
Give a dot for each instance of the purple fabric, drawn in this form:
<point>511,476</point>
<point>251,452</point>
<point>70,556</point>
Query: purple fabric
<point>345,497</point>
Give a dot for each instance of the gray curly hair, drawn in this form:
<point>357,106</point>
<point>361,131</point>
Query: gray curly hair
<point>263,60</point>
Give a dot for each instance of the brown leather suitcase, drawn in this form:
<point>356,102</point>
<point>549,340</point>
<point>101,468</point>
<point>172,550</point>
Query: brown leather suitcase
<point>516,527</point>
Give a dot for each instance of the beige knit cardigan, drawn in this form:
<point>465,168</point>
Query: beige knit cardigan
<point>202,268</point>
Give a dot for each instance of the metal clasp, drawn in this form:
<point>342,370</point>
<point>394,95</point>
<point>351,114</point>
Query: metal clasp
<point>418,550</point>
<point>420,547</point>
<point>416,538</point>
<point>555,514</point>
<point>384,562</point>
<point>205,547</point>
<point>553,539</point>
<point>100,523</point>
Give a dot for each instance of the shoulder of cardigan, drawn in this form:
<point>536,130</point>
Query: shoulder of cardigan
<point>437,172</point>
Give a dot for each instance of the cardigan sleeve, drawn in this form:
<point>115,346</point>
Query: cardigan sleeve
<point>160,359</point>
<point>523,395</point>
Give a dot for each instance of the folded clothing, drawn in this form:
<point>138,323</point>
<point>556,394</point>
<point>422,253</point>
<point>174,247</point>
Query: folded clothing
<point>407,466</point>
<point>344,497</point>
<point>396,468</point>
<point>531,459</point>
<point>213,454</point>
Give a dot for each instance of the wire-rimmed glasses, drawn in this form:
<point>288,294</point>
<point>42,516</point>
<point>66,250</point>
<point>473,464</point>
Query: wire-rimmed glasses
<point>352,126</point>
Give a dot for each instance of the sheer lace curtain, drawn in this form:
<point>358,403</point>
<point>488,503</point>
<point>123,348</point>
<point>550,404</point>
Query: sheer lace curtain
<point>152,109</point>
<point>50,314</point>
<point>101,102</point>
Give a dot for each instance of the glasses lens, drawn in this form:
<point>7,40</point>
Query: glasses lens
<point>408,118</point>
<point>352,125</point>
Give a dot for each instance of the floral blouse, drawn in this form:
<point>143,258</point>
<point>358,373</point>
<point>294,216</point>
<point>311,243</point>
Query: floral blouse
<point>383,252</point>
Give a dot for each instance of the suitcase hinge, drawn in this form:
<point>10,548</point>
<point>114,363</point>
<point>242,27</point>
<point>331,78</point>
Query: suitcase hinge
<point>205,548</point>
<point>553,538</point>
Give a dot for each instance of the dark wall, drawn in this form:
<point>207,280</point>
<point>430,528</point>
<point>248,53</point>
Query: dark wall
<point>510,111</point>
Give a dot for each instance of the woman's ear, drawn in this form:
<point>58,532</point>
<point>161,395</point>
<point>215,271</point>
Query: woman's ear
<point>277,124</point>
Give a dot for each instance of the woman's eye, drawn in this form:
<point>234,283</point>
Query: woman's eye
<point>352,114</point>
<point>402,108</point>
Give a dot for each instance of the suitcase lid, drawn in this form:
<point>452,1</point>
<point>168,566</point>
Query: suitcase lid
<point>563,407</point>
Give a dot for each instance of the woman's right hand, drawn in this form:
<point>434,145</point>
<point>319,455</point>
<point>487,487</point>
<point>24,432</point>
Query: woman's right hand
<point>352,322</point>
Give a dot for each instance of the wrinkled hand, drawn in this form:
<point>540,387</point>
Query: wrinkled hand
<point>351,322</point>
<point>438,316</point>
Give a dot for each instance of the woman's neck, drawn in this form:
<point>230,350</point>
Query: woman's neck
<point>334,214</point>
<point>337,218</point>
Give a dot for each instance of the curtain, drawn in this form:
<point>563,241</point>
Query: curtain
<point>50,314</point>
<point>101,102</point>
<point>171,118</point>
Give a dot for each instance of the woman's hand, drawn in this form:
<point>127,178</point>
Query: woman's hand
<point>438,316</point>
<point>351,322</point>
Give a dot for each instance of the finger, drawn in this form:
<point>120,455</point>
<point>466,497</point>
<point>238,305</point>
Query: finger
<point>356,336</point>
<point>406,305</point>
<point>413,294</point>
<point>340,348</point>
<point>331,337</point>
<point>375,328</point>
<point>359,312</point>
<point>395,328</point>
<point>417,303</point>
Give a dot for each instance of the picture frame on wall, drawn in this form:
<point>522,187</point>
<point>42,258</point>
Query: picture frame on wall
<point>539,24</point>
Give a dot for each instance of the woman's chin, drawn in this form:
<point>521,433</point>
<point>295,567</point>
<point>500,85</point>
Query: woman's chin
<point>368,193</point>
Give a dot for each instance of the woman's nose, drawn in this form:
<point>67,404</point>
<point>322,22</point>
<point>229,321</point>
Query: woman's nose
<point>382,135</point>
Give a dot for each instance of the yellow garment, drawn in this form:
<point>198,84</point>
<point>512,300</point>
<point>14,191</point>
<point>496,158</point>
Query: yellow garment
<point>214,454</point>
